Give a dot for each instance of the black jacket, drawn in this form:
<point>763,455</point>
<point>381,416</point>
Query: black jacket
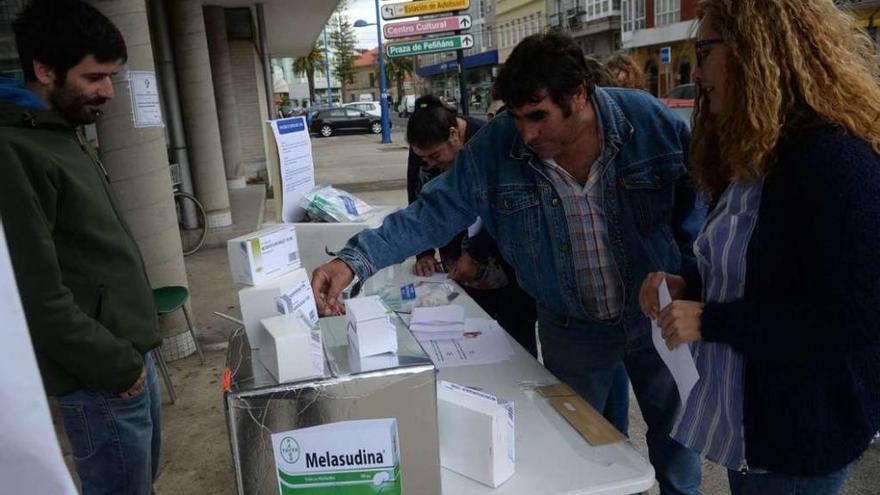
<point>808,324</point>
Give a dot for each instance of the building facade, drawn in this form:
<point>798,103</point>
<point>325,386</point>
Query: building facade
<point>515,20</point>
<point>594,24</point>
<point>867,14</point>
<point>659,35</point>
<point>438,72</point>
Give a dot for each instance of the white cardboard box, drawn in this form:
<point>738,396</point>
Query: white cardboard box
<point>291,349</point>
<point>317,238</point>
<point>370,329</point>
<point>287,294</point>
<point>477,437</point>
<point>263,255</point>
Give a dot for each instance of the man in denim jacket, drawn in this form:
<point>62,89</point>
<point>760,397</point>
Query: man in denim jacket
<point>585,191</point>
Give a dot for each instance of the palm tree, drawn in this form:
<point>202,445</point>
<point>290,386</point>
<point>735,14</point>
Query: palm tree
<point>307,64</point>
<point>396,69</point>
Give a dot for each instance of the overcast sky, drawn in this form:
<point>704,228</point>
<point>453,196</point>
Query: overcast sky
<point>366,10</point>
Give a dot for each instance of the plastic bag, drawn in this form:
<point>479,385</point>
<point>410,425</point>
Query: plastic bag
<point>329,204</point>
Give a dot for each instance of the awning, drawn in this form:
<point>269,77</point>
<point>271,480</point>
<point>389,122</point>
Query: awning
<point>478,60</point>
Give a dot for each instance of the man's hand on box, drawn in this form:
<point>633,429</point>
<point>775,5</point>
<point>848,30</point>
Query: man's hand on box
<point>328,281</point>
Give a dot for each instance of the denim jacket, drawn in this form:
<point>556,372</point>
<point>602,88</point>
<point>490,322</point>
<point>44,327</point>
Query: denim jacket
<point>651,210</point>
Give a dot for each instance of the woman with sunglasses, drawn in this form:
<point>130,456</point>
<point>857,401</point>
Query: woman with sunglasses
<point>783,310</point>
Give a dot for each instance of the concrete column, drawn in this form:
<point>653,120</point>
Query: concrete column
<point>199,109</point>
<point>224,95</point>
<point>137,159</point>
<point>249,98</point>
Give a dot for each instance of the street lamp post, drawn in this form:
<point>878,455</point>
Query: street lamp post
<point>383,84</point>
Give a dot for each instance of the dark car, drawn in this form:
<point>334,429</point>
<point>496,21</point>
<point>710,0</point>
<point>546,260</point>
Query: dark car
<point>682,92</point>
<point>328,122</point>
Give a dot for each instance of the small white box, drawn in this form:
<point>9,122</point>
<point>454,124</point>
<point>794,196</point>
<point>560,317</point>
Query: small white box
<point>476,434</point>
<point>287,294</point>
<point>291,350</point>
<point>263,255</point>
<point>370,329</point>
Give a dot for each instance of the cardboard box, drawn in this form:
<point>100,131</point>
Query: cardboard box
<point>369,326</point>
<point>316,239</point>
<point>477,434</point>
<point>291,349</point>
<point>345,457</point>
<point>263,255</point>
<point>287,294</point>
<point>257,406</point>
<point>591,425</point>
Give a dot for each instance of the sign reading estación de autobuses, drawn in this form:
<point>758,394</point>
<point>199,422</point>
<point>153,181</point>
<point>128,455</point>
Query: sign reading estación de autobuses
<point>426,26</point>
<point>422,7</point>
<point>430,45</point>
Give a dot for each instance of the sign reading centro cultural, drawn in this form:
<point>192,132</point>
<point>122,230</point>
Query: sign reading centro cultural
<point>427,26</point>
<point>430,45</point>
<point>422,7</point>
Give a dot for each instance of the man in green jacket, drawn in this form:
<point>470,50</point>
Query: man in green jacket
<point>83,285</point>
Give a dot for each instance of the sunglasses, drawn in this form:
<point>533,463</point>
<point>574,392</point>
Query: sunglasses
<point>704,47</point>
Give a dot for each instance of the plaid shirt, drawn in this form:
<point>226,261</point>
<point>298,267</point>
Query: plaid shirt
<point>598,278</point>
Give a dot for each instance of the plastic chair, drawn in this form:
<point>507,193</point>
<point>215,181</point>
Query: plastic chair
<point>168,300</point>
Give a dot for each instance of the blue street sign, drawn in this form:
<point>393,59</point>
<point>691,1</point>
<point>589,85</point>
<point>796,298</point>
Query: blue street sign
<point>665,55</point>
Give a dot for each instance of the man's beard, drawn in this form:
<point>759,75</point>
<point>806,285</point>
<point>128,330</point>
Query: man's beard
<point>72,105</point>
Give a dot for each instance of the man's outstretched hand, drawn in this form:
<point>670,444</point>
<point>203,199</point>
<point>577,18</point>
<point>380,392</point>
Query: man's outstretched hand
<point>328,280</point>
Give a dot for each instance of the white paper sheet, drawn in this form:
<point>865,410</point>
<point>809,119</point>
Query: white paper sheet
<point>437,316</point>
<point>30,458</point>
<point>487,344</point>
<point>437,278</point>
<point>297,167</point>
<point>679,360</point>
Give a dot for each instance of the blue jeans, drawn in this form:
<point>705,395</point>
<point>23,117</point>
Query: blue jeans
<point>782,484</point>
<point>115,441</point>
<point>587,356</point>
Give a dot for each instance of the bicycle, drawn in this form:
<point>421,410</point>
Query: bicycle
<point>192,220</point>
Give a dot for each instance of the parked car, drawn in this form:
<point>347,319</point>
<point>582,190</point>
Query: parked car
<point>328,122</point>
<point>373,108</point>
<point>682,92</point>
<point>683,107</point>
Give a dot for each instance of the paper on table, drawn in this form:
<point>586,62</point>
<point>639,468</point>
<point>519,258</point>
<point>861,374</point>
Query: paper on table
<point>488,345</point>
<point>437,278</point>
<point>679,360</point>
<point>437,315</point>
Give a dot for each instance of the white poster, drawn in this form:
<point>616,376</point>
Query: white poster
<point>145,107</point>
<point>297,168</point>
<point>30,458</point>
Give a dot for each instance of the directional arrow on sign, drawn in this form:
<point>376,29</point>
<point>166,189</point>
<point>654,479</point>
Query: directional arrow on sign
<point>387,11</point>
<point>465,22</point>
<point>467,41</point>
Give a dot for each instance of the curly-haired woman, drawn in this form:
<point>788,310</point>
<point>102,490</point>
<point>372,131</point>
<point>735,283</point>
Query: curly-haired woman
<point>786,335</point>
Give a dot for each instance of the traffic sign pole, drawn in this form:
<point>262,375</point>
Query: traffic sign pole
<point>383,83</point>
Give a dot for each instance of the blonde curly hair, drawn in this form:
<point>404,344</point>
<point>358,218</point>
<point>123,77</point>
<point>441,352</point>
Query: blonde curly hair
<point>784,58</point>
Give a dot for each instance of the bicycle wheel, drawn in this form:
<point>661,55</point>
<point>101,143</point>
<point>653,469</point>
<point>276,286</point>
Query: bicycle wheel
<point>192,221</point>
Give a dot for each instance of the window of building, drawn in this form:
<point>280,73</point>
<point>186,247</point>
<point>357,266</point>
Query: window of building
<point>666,12</point>
<point>633,14</point>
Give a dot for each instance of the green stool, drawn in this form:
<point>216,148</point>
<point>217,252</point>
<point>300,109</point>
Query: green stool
<point>168,300</point>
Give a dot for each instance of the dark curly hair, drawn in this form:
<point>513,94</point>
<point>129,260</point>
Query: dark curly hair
<point>550,61</point>
<point>61,33</point>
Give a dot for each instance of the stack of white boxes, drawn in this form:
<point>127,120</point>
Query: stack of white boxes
<point>278,309</point>
<point>291,349</point>
<point>477,437</point>
<point>370,330</point>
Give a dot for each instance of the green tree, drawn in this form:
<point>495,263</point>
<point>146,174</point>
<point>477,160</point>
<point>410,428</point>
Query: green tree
<point>307,65</point>
<point>343,43</point>
<point>396,70</point>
